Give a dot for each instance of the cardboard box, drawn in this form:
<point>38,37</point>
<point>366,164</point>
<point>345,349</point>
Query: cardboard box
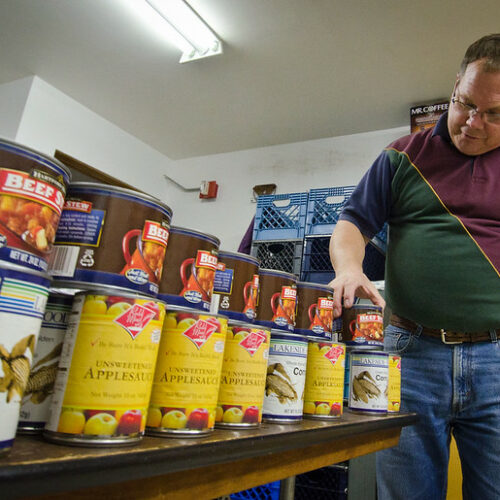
<point>426,115</point>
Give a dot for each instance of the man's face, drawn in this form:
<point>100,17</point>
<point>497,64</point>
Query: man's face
<point>470,132</point>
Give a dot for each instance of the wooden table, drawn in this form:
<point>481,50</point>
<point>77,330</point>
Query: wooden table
<point>224,462</point>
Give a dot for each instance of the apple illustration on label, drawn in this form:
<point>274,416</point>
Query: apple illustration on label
<point>71,422</point>
<point>233,415</point>
<point>130,422</point>
<point>323,409</point>
<point>154,417</point>
<point>118,308</point>
<point>91,413</point>
<point>174,419</point>
<point>101,424</point>
<point>198,419</point>
<point>251,415</point>
<point>336,409</point>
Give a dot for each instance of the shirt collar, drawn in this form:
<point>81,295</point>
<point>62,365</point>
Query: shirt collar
<point>441,127</point>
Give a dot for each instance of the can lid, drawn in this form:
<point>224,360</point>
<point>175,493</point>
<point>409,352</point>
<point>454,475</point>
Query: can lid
<point>238,256</point>
<point>118,292</point>
<point>193,232</point>
<point>277,272</point>
<point>192,310</point>
<point>76,187</point>
<point>276,333</point>
<point>316,286</point>
<point>21,269</point>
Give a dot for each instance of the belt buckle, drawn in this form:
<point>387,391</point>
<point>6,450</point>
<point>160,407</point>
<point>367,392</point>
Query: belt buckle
<point>444,341</point>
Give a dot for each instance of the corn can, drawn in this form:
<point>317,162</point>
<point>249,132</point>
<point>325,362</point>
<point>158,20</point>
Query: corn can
<point>369,378</point>
<point>106,369</point>
<point>243,379</point>
<point>286,377</point>
<point>394,392</point>
<point>323,395</point>
<point>38,393</point>
<point>188,372</point>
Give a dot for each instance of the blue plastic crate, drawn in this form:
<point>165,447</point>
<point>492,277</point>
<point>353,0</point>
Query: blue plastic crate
<point>280,217</point>
<point>283,255</point>
<point>317,267</point>
<point>324,208</point>
<point>269,491</point>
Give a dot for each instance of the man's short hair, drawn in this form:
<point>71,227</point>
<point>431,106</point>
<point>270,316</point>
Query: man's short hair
<point>487,48</point>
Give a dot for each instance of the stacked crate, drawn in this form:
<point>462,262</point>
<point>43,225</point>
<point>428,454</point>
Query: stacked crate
<point>323,211</point>
<point>279,230</point>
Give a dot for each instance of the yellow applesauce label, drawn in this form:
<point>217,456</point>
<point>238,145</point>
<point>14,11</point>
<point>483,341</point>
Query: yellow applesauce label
<point>243,379</point>
<point>394,388</point>
<point>188,371</point>
<point>107,365</point>
<point>324,390</point>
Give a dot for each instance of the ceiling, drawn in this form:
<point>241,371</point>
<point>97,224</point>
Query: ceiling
<point>292,70</point>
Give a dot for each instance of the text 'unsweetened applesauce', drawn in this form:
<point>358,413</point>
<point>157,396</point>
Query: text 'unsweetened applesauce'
<point>188,372</point>
<point>106,369</point>
<point>243,379</point>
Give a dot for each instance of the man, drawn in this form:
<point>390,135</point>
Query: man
<point>440,192</point>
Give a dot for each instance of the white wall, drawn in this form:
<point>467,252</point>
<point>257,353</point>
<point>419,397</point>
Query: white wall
<point>52,120</point>
<point>13,97</point>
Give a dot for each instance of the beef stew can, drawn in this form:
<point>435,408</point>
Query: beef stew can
<point>106,368</point>
<point>111,236</point>
<point>236,286</point>
<point>32,192</point>
<point>314,310</point>
<point>243,378</point>
<point>23,295</point>
<point>286,378</point>
<point>40,387</point>
<point>190,265</point>
<point>188,373</point>
<point>277,299</point>
<point>363,325</point>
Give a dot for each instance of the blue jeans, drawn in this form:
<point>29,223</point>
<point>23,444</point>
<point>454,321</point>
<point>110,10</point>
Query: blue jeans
<point>455,389</point>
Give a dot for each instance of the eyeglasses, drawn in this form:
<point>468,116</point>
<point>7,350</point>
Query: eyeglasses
<point>471,110</point>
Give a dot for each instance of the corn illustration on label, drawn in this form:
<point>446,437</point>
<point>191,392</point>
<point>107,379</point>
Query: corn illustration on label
<point>188,372</point>
<point>369,379</point>
<point>38,393</point>
<point>22,303</point>
<point>243,377</point>
<point>106,368</point>
<point>323,396</point>
<point>394,392</point>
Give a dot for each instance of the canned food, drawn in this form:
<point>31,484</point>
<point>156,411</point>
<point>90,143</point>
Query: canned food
<point>369,377</point>
<point>190,266</point>
<point>394,392</point>
<point>23,295</point>
<point>277,299</point>
<point>32,191</point>
<point>314,310</point>
<point>106,369</point>
<point>187,378</point>
<point>111,236</point>
<point>286,377</point>
<point>323,395</point>
<point>348,351</point>
<point>243,379</point>
<point>363,325</point>
<point>236,286</point>
<point>38,393</point>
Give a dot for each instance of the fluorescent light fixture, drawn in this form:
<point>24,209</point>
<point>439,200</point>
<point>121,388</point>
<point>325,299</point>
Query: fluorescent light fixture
<point>188,31</point>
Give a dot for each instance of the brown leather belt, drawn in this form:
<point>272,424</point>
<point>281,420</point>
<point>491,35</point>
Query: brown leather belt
<point>448,337</point>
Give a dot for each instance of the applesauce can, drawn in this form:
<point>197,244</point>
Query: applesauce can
<point>314,310</point>
<point>394,392</point>
<point>111,236</point>
<point>369,380</point>
<point>286,378</point>
<point>363,325</point>
<point>236,286</point>
<point>38,393</point>
<point>188,373</point>
<point>324,390</point>
<point>190,265</point>
<point>277,299</point>
<point>106,369</point>
<point>243,378</point>
<point>23,295</point>
<point>32,191</point>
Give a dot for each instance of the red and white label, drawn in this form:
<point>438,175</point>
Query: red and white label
<point>287,292</point>
<point>334,353</point>
<point>369,318</point>
<point>326,304</point>
<point>78,206</point>
<point>253,341</point>
<point>201,331</point>
<point>154,231</point>
<point>221,266</point>
<point>206,259</point>
<point>21,184</point>
<point>256,281</point>
<point>135,319</point>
